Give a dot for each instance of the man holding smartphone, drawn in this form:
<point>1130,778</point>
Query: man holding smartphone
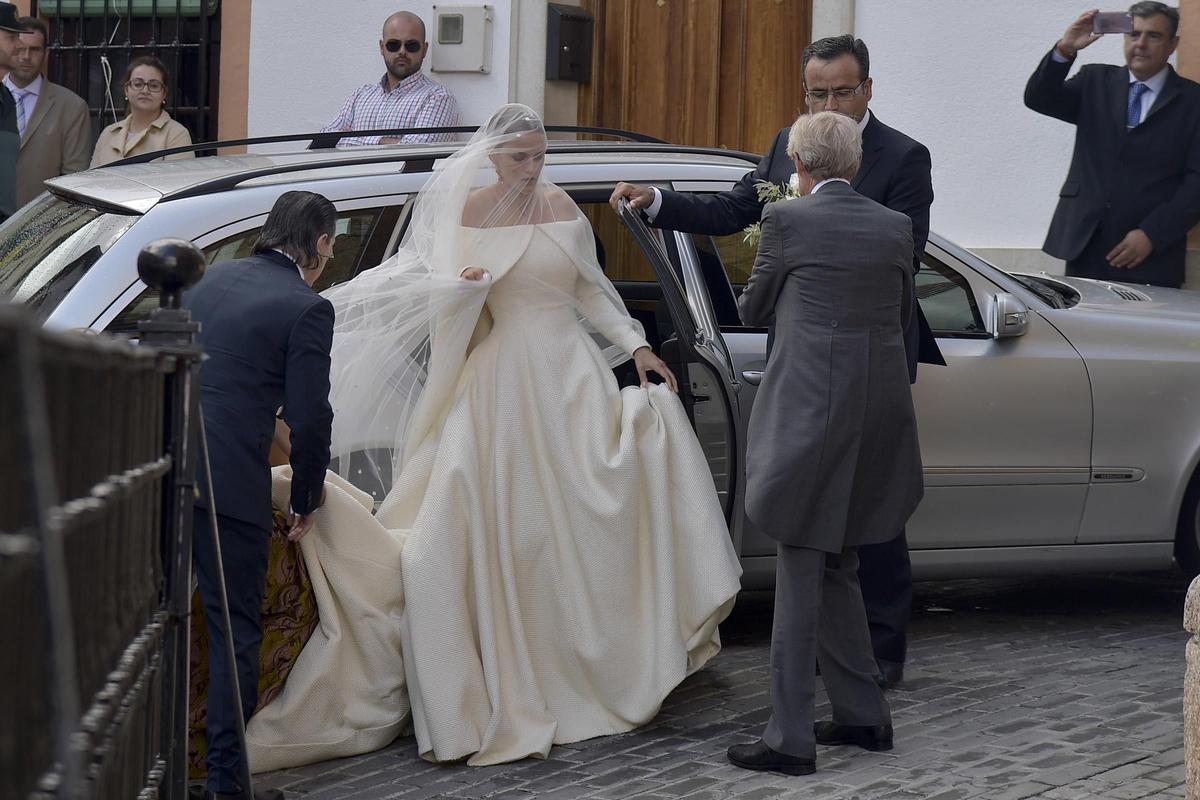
<point>404,97</point>
<point>1133,188</point>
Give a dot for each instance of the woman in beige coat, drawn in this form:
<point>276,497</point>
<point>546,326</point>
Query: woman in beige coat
<point>148,126</point>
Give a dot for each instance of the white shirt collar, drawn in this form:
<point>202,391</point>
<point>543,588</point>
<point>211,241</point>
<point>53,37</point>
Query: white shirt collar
<point>34,88</point>
<point>862,123</point>
<point>1154,83</point>
<point>827,180</point>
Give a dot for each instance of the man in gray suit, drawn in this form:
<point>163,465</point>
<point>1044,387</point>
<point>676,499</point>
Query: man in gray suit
<point>832,456</point>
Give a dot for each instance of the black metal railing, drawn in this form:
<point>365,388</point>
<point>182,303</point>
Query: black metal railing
<point>95,462</point>
<point>93,41</point>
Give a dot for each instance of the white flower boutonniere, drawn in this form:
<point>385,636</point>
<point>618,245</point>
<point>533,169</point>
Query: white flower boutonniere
<point>768,193</point>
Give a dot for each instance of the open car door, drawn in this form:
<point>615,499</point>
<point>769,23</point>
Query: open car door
<point>693,352</point>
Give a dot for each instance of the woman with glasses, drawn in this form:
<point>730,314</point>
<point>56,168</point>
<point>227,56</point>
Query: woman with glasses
<point>147,127</point>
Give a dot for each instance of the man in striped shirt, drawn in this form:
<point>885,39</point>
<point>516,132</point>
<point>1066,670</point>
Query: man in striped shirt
<point>404,97</point>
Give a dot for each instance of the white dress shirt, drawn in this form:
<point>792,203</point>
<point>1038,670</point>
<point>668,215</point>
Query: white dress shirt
<point>1154,84</point>
<point>652,210</point>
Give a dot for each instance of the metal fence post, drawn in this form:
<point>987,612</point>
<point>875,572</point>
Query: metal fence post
<point>172,265</point>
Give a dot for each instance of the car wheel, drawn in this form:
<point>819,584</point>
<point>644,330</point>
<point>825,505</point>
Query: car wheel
<point>1187,535</point>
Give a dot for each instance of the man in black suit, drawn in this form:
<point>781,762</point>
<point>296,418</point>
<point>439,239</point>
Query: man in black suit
<point>1133,189</point>
<point>267,336</point>
<point>895,173</point>
<point>10,137</point>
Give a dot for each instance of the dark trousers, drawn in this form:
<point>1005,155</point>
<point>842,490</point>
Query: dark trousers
<point>819,619</point>
<point>885,573</point>
<point>244,549</point>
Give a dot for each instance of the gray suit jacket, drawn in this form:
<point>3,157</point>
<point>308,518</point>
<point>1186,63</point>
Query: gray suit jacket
<point>57,140</point>
<point>832,454</point>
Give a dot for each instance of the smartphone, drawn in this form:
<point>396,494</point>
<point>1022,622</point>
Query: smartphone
<point>1112,22</point>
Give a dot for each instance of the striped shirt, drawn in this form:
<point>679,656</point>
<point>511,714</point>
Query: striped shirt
<point>415,102</point>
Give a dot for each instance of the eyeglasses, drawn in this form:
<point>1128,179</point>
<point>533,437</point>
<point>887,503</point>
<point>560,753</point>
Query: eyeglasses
<point>819,96</point>
<point>394,45</point>
<point>138,84</point>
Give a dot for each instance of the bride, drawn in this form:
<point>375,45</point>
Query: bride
<point>549,558</point>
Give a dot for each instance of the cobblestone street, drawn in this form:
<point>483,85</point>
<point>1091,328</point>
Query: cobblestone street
<point>1057,688</point>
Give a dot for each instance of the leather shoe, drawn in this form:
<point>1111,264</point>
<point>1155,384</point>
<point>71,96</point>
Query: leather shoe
<point>890,674</point>
<point>259,794</point>
<point>759,756</point>
<point>869,737</point>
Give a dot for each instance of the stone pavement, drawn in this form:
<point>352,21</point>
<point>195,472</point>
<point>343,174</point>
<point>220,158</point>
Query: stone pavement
<point>1057,688</point>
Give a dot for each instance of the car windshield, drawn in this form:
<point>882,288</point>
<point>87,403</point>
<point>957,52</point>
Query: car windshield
<point>1058,295</point>
<point>47,246</point>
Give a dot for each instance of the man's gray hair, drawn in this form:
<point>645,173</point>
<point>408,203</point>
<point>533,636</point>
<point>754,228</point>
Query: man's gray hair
<point>1150,8</point>
<point>827,143</point>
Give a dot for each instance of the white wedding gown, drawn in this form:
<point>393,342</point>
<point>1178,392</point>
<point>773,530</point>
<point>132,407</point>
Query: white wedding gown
<point>551,562</point>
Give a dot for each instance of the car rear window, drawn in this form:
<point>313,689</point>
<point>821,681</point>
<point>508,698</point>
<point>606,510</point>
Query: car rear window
<point>47,246</point>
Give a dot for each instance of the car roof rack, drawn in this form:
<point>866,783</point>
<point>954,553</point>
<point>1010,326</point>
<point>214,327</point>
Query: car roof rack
<point>331,139</point>
<point>423,161</point>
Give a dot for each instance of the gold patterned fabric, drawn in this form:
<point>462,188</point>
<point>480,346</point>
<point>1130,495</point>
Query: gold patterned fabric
<point>289,615</point>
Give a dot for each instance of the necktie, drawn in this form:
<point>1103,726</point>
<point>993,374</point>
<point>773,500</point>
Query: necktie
<point>1133,112</point>
<point>18,96</point>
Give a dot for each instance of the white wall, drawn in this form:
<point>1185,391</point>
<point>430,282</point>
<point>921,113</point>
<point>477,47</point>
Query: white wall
<point>952,75</point>
<point>306,57</point>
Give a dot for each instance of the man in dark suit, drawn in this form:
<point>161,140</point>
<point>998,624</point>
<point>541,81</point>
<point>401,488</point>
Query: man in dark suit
<point>267,336</point>
<point>834,272</point>
<point>895,172</point>
<point>10,134</point>
<point>1133,188</point>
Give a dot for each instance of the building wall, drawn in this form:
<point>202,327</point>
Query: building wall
<point>306,58</point>
<point>953,75</point>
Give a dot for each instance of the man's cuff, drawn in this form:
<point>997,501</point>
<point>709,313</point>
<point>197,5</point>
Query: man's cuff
<point>1057,56</point>
<point>653,209</point>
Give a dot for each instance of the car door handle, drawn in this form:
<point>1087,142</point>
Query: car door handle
<point>752,376</point>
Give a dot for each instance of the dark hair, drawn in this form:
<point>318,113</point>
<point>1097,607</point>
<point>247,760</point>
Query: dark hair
<point>146,61</point>
<point>1149,8</point>
<point>295,223</point>
<point>833,46</point>
<point>35,25</point>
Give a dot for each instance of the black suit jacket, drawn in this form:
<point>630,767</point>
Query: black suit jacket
<point>267,336</point>
<point>1119,180</point>
<point>10,146</point>
<point>895,172</point>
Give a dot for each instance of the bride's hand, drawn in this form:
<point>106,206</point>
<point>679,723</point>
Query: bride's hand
<point>646,362</point>
<point>474,274</point>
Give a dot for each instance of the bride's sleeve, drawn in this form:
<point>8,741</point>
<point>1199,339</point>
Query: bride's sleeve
<point>599,302</point>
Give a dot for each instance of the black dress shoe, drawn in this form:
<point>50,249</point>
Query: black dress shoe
<point>759,756</point>
<point>890,673</point>
<point>259,794</point>
<point>869,737</point>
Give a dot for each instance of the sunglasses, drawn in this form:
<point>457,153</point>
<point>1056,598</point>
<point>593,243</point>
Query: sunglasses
<point>394,45</point>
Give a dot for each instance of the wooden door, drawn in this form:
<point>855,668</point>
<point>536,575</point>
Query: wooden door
<point>699,72</point>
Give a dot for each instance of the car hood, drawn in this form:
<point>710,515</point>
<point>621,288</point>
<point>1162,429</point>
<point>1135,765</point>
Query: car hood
<point>1129,298</point>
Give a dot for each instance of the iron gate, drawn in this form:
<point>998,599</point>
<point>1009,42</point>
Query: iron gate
<point>96,470</point>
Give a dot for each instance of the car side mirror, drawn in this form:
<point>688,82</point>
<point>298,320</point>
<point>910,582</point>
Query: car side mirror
<point>1010,317</point>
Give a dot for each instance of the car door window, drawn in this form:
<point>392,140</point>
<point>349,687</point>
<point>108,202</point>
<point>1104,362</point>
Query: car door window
<point>947,300</point>
<point>945,295</point>
<point>363,236</point>
<point>725,262</point>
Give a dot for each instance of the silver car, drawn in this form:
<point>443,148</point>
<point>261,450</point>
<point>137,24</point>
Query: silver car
<point>1063,435</point>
